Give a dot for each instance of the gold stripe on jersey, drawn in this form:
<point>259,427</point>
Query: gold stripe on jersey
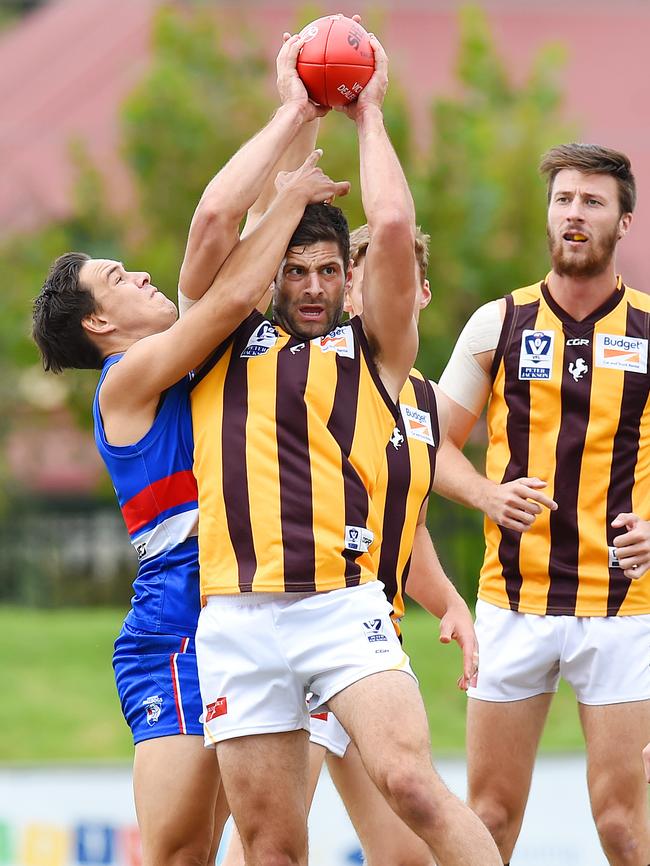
<point>403,487</point>
<point>570,405</point>
<point>289,438</point>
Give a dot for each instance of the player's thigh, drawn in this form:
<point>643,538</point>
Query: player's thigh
<point>615,736</point>
<point>384,715</point>
<point>385,838</point>
<point>265,780</point>
<point>175,781</point>
<point>316,760</point>
<point>502,741</point>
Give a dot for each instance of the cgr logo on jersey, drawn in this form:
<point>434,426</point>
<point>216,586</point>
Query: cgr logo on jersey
<point>417,424</point>
<point>152,707</point>
<point>617,352</point>
<point>263,338</point>
<point>340,340</point>
<point>374,631</point>
<point>536,354</point>
<point>358,538</point>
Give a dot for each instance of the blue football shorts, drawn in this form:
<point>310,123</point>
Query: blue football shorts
<point>158,683</point>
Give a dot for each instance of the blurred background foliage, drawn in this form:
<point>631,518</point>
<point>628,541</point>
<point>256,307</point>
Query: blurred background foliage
<point>475,185</point>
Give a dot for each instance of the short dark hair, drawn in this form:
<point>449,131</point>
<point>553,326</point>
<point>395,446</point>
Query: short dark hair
<point>323,222</point>
<point>59,309</point>
<point>592,159</point>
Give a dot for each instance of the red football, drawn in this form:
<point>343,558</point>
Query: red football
<point>337,60</point>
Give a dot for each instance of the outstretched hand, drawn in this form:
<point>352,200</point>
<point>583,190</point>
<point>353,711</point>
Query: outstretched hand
<point>289,83</point>
<point>312,181</point>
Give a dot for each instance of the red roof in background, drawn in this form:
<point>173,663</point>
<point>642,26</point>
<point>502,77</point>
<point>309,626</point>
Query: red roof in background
<point>65,69</point>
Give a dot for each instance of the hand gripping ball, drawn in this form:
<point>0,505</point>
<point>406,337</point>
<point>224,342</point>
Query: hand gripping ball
<point>336,61</point>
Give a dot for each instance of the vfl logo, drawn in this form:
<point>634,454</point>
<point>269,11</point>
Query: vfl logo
<point>417,424</point>
<point>358,538</point>
<point>215,709</point>
<point>374,631</point>
<point>396,439</point>
<point>310,32</point>
<point>578,369</point>
<point>263,338</point>
<point>536,354</point>
<point>618,352</point>
<point>152,707</point>
<point>340,340</point>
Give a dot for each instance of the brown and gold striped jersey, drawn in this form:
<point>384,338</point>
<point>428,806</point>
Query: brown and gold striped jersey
<point>289,439</point>
<point>570,405</point>
<point>404,484</point>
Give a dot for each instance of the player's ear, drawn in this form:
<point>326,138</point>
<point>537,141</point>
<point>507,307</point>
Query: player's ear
<point>425,295</point>
<point>96,324</point>
<point>624,225</point>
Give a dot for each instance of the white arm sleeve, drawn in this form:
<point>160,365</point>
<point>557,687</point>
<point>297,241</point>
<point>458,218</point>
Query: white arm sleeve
<point>463,379</point>
<point>184,303</point>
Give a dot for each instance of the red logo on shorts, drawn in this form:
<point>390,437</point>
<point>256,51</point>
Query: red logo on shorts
<point>322,716</point>
<point>216,708</point>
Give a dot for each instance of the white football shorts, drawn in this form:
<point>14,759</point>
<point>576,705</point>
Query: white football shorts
<point>605,659</point>
<point>260,654</point>
<point>326,730</point>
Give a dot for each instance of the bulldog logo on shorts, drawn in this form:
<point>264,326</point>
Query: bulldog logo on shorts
<point>153,708</point>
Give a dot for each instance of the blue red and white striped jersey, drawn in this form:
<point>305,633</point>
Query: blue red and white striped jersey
<point>157,494</point>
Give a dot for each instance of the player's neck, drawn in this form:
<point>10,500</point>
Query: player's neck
<point>580,296</point>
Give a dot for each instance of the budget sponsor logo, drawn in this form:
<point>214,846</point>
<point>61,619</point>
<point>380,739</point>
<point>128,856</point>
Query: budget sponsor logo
<point>620,352</point>
<point>417,424</point>
<point>340,340</point>
<point>536,354</point>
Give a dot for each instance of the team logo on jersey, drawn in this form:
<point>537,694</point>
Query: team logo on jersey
<point>152,707</point>
<point>215,709</point>
<point>374,631</point>
<point>340,340</point>
<point>417,424</point>
<point>578,369</point>
<point>613,559</point>
<point>396,439</point>
<point>577,341</point>
<point>618,352</point>
<point>358,538</point>
<point>536,354</point>
<point>263,338</point>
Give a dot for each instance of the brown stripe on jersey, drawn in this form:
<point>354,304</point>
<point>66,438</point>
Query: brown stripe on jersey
<point>233,462</point>
<point>296,510</point>
<point>509,322</point>
<point>357,326</point>
<point>219,352</point>
<point>516,394</point>
<point>575,397</point>
<point>341,424</point>
<point>624,454</point>
<point>398,461</point>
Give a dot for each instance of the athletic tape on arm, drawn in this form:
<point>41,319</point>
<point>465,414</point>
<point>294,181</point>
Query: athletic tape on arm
<point>184,303</point>
<point>463,379</point>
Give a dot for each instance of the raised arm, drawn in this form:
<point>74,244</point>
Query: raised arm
<point>214,229</point>
<point>390,275</point>
<point>156,362</point>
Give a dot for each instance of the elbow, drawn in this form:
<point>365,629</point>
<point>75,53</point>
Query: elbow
<point>394,226</point>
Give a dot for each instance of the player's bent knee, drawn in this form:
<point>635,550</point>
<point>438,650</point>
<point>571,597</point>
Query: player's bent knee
<point>617,834</point>
<point>496,817</point>
<point>412,796</point>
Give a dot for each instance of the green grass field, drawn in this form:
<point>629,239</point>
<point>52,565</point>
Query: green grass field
<point>59,701</point>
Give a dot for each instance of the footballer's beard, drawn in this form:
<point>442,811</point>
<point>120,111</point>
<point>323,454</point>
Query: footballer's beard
<point>285,315</point>
<point>594,260</point>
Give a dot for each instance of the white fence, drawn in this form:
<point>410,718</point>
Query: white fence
<point>85,817</point>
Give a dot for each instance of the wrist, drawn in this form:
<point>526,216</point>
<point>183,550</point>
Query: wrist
<point>295,111</point>
<point>369,116</point>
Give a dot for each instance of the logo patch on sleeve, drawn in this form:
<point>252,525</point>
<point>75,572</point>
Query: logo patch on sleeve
<point>536,354</point>
<point>417,424</point>
<point>340,340</point>
<point>216,708</point>
<point>358,538</point>
<point>617,352</point>
<point>263,338</point>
